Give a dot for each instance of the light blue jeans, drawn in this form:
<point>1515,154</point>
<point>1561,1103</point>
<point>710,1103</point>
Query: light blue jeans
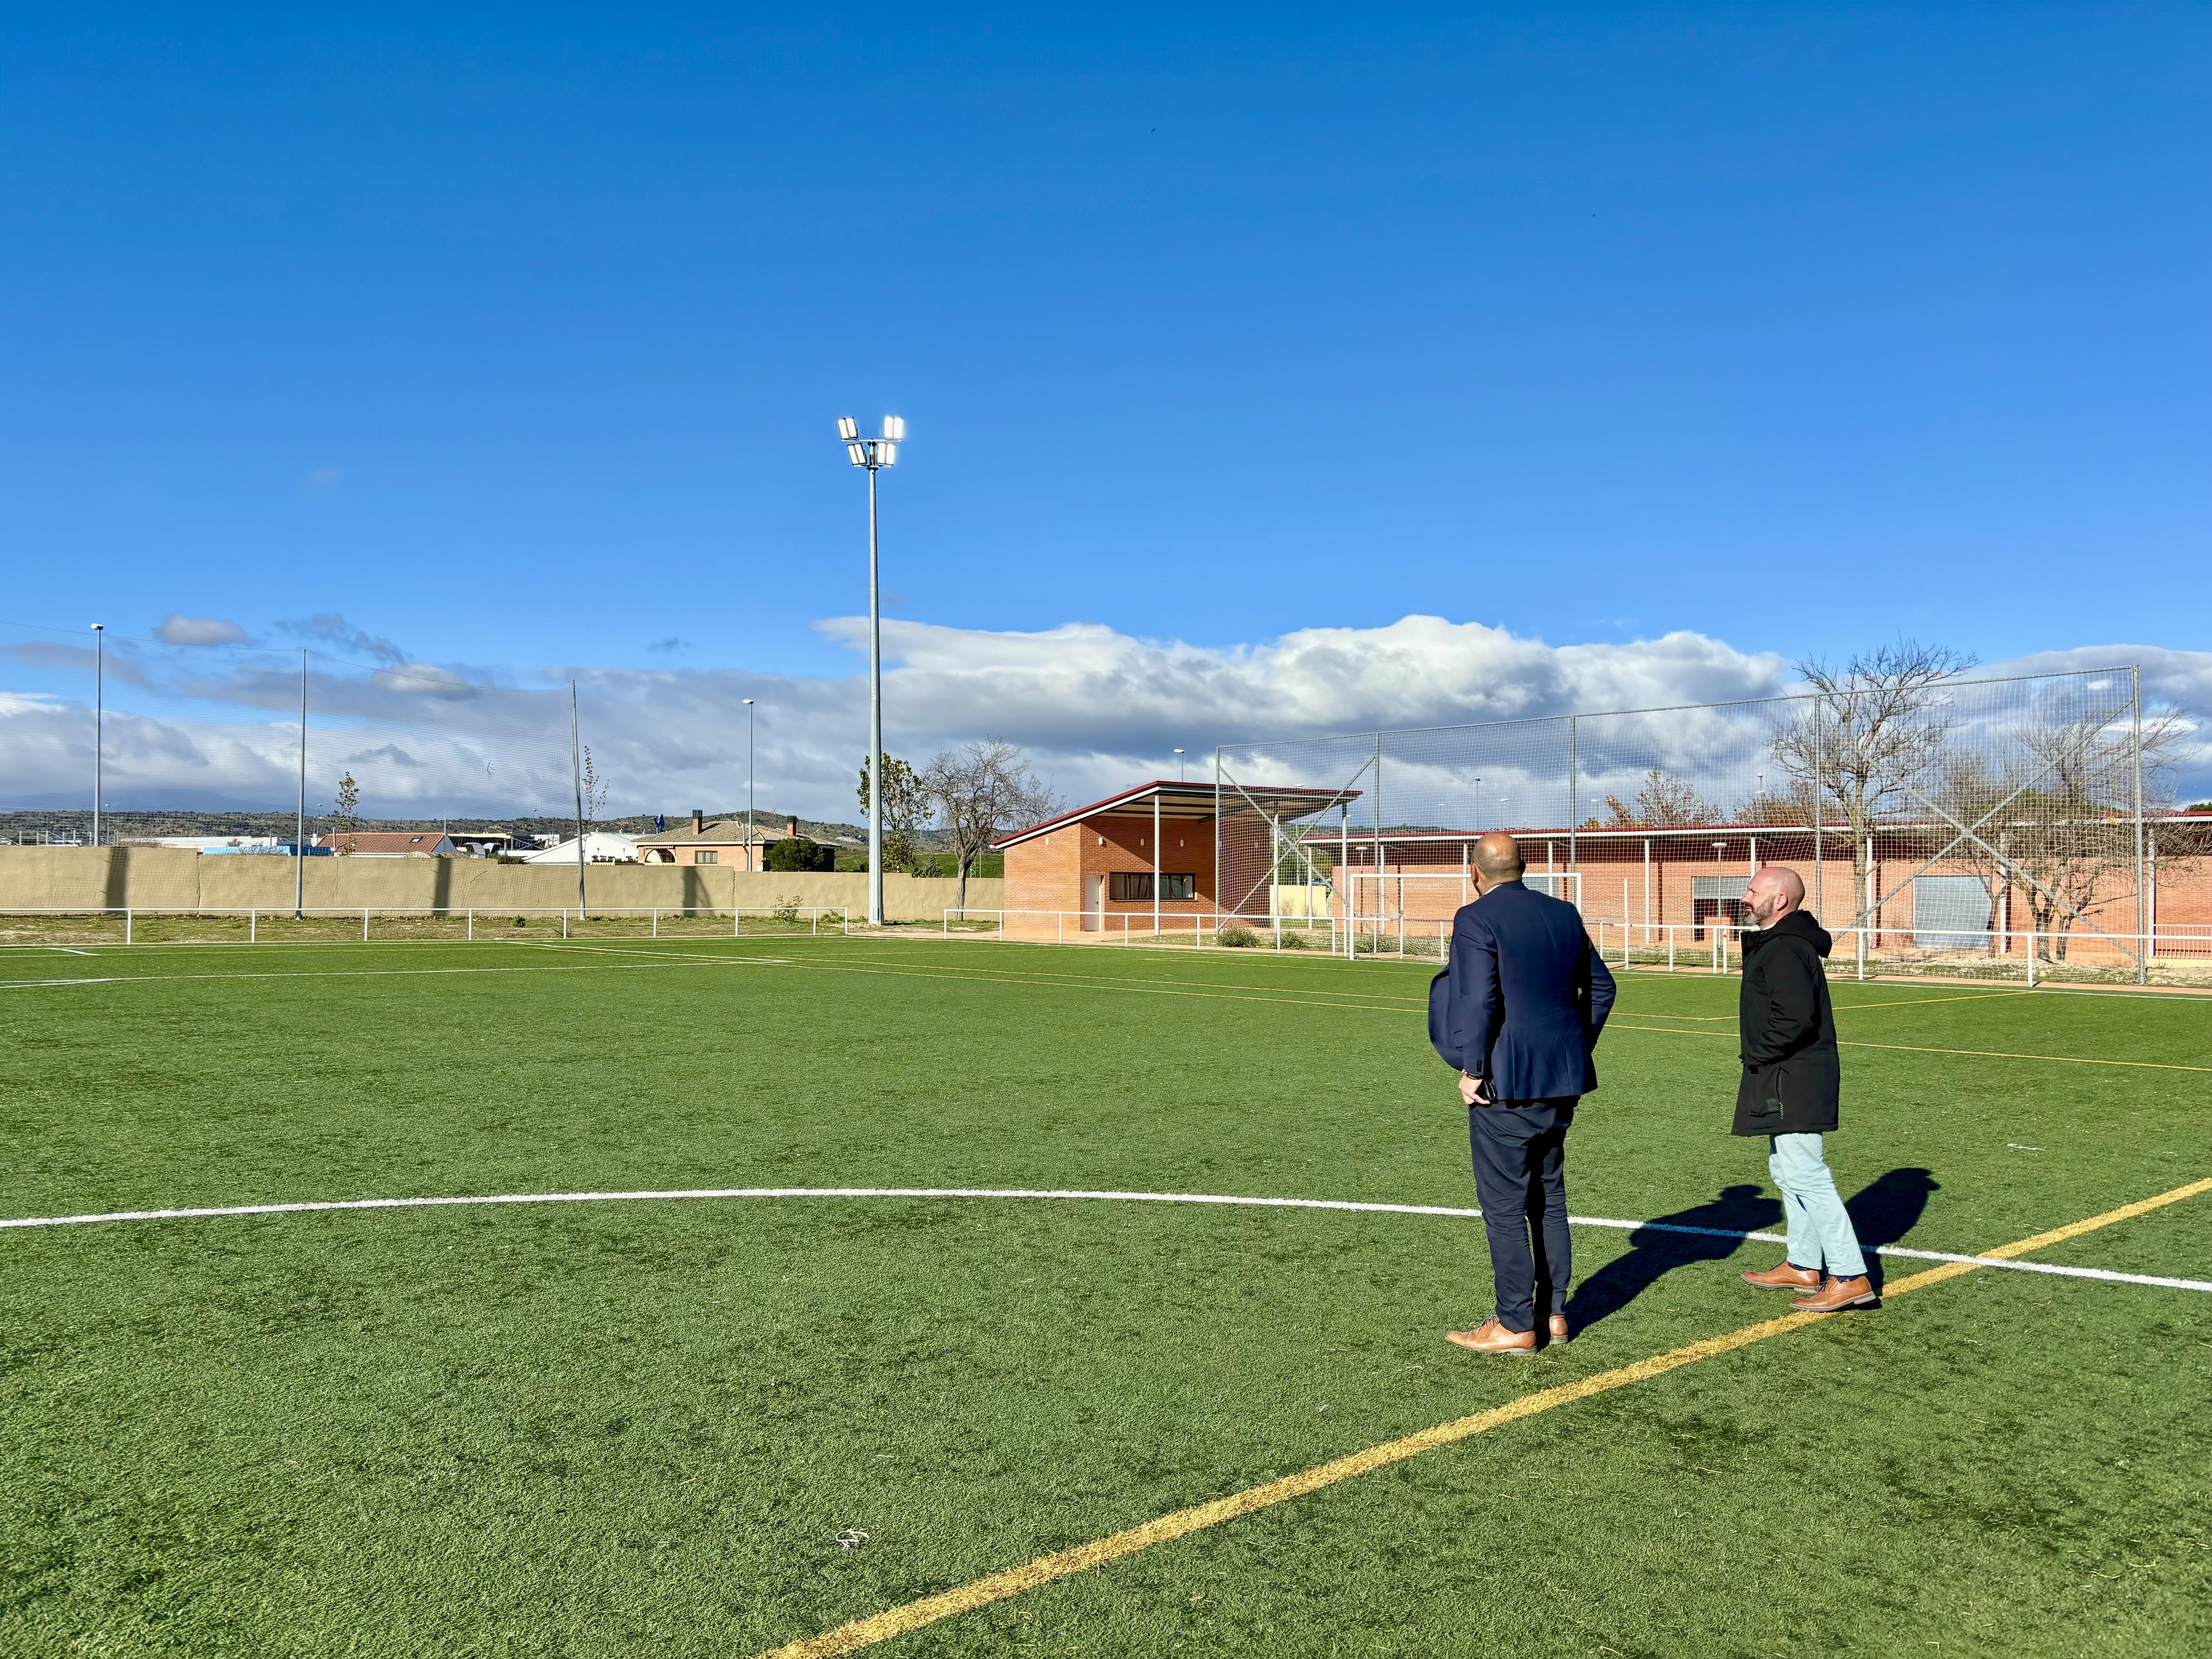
<point>1819,1227</point>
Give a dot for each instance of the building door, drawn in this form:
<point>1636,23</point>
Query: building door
<point>1094,903</point>
<point>1950,913</point>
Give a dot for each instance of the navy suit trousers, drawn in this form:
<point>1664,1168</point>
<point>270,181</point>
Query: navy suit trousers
<point>1521,1182</point>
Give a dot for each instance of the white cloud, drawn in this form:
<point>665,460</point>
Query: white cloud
<point>1095,709</point>
<point>178,628</point>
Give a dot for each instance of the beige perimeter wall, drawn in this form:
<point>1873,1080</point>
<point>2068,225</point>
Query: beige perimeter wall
<point>171,879</point>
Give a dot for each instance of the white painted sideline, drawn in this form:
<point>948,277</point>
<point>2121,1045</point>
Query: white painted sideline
<point>1048,1193</point>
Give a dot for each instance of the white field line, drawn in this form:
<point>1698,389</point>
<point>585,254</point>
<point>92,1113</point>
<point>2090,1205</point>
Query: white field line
<point>1045,1193</point>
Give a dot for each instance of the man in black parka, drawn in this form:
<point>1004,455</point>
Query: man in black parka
<point>1790,1090</point>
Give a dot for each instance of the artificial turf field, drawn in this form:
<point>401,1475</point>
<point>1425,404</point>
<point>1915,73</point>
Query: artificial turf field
<point>642,1426</point>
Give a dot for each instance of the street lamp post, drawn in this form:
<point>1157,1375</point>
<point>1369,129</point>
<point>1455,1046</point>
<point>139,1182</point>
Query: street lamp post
<point>1178,766</point>
<point>874,453</point>
<point>749,784</point>
<point>98,717</point>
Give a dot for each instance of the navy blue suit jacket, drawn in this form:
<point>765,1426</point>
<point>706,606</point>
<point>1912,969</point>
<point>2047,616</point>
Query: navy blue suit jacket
<point>1523,997</point>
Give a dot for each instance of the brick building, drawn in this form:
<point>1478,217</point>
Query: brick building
<point>1136,862</point>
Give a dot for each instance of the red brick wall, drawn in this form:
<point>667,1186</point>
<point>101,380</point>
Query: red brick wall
<point>1046,872</point>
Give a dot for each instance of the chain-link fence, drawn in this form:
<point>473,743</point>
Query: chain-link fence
<point>140,725</point>
<point>2017,827</point>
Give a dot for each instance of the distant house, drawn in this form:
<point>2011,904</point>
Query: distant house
<point>704,841</point>
<point>600,847</point>
<point>390,844</point>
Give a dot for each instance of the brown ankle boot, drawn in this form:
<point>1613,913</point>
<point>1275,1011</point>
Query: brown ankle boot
<point>1838,1293</point>
<point>1785,1276</point>
<point>1557,1330</point>
<point>1491,1337</point>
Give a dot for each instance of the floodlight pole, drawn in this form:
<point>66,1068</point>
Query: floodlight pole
<point>875,717</point>
<point>576,768</point>
<point>300,823</point>
<point>749,785</point>
<point>874,453</point>
<point>98,717</point>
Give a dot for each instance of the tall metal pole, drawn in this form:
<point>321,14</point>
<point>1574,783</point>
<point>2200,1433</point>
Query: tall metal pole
<point>576,766</point>
<point>1156,866</point>
<point>98,717</point>
<point>1574,806</point>
<point>875,723</point>
<point>1378,843</point>
<point>749,784</point>
<point>2143,944</point>
<point>299,826</point>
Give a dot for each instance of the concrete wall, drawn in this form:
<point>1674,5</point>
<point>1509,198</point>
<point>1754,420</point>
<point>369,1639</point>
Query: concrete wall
<point>168,879</point>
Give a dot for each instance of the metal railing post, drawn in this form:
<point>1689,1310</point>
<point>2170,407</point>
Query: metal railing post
<point>126,924</point>
<point>364,924</point>
<point>472,923</point>
<point>252,927</point>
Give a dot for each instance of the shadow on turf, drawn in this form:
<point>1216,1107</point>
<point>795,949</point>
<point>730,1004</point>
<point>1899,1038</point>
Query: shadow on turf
<point>1882,1212</point>
<point>1653,1255</point>
<point>1886,1208</point>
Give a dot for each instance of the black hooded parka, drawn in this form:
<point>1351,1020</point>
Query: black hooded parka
<point>1791,1082</point>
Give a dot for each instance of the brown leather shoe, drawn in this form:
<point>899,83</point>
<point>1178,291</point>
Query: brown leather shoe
<point>1558,1329</point>
<point>1785,1276</point>
<point>1838,1293</point>
<point>1491,1337</point>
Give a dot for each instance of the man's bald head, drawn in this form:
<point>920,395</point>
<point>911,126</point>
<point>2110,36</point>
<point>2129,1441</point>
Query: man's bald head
<point>1498,856</point>
<point>1772,893</point>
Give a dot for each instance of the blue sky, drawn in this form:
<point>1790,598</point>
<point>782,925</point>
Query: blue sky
<point>516,337</point>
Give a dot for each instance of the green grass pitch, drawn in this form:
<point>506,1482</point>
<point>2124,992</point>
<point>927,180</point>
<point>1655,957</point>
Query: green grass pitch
<point>641,1427</point>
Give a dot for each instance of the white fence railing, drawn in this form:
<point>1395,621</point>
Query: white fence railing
<point>466,917</point>
<point>1711,946</point>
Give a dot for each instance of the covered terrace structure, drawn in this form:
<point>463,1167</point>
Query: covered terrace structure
<point>1144,861</point>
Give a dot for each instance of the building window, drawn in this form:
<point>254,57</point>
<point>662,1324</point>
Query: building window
<point>706,855</point>
<point>1135,887</point>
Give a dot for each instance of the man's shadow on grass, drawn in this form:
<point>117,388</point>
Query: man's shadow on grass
<point>1717,1230</point>
<point>1886,1208</point>
<point>1882,1212</point>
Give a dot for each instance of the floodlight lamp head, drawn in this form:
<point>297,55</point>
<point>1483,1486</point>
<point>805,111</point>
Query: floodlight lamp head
<point>895,427</point>
<point>749,702</point>
<point>859,452</point>
<point>886,452</point>
<point>848,427</point>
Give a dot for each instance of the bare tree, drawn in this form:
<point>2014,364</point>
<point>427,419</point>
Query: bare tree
<point>1873,732</point>
<point>906,804</point>
<point>1664,801</point>
<point>2066,823</point>
<point>347,824</point>
<point>979,791</point>
<point>595,791</point>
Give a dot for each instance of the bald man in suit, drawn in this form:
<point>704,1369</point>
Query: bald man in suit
<point>1518,1009</point>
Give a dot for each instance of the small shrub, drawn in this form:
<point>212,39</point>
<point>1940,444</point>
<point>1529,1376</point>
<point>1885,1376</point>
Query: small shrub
<point>521,921</point>
<point>787,910</point>
<point>795,855</point>
<point>1293,941</point>
<point>1237,938</point>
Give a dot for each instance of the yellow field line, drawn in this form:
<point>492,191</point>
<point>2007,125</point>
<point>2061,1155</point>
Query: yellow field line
<point>1064,1564</point>
<point>1854,1007</point>
<point>1162,990</point>
<point>1045,977</point>
<point>1912,1048</point>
